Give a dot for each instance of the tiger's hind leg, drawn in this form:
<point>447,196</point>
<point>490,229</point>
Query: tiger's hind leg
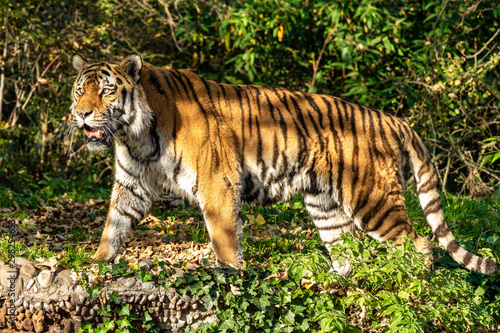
<point>386,219</point>
<point>331,222</point>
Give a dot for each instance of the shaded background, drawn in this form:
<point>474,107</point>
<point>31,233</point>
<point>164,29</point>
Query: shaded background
<point>434,64</point>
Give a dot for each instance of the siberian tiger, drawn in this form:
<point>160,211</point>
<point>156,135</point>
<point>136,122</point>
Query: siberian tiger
<point>221,144</point>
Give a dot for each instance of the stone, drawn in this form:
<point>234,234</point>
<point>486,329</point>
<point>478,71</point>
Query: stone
<point>78,318</point>
<point>38,326</point>
<point>127,282</point>
<point>145,264</point>
<point>38,306</point>
<point>64,277</point>
<point>148,285</point>
<point>23,262</point>
<point>45,278</point>
<point>69,306</point>
<point>30,284</point>
<point>52,289</point>
<point>79,289</point>
<point>7,275</point>
<point>27,271</point>
<point>28,324</point>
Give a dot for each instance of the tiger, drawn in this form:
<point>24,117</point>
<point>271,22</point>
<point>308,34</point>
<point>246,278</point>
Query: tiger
<point>220,145</point>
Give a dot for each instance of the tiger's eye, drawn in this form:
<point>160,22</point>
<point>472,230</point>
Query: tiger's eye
<point>106,91</point>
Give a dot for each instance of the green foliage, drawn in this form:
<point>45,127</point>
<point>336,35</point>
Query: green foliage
<point>434,63</point>
<point>492,156</point>
<point>291,290</point>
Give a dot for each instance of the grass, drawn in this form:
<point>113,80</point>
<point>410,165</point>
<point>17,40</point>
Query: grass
<point>285,285</point>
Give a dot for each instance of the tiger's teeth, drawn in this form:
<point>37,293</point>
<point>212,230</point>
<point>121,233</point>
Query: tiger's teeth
<point>99,134</point>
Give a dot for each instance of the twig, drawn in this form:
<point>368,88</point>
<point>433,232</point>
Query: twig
<point>172,25</point>
<point>316,63</point>
<point>482,49</point>
<point>441,13</point>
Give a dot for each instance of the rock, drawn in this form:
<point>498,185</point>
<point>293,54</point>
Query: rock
<point>38,326</point>
<point>8,276</point>
<point>23,262</point>
<point>27,271</point>
<point>38,306</point>
<point>28,324</point>
<point>30,284</point>
<point>150,285</point>
<point>64,277</point>
<point>145,264</point>
<point>127,282</point>
<point>45,278</point>
<point>52,289</point>
<point>78,318</point>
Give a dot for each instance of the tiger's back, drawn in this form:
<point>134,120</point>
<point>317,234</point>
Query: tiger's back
<point>221,144</point>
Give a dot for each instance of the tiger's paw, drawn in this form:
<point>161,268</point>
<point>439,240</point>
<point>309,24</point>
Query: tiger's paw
<point>104,253</point>
<point>342,270</point>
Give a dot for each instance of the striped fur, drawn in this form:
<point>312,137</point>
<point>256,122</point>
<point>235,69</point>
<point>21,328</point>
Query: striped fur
<point>220,144</point>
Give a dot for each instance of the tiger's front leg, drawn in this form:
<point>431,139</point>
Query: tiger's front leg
<point>129,204</point>
<point>222,212</point>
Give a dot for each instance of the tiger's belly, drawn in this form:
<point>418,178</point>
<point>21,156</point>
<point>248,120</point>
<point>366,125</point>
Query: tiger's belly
<point>279,185</point>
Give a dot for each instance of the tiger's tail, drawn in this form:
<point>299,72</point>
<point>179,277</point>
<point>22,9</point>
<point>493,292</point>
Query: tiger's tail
<point>427,183</point>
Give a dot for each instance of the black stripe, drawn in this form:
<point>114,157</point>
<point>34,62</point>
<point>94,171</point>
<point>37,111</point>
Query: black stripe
<point>316,108</point>
<point>119,81</point>
<point>105,72</point>
<point>433,206</point>
<point>331,228</point>
<point>384,217</point>
<point>257,99</point>
<point>271,107</point>
<point>128,172</point>
<point>176,78</point>
<point>467,259</point>
<point>453,246</point>
<point>300,116</point>
<point>249,117</point>
<point>202,109</point>
<point>131,190</point>
<point>237,90</point>
<point>275,151</point>
<point>260,160</point>
<point>442,231</point>
<point>130,216</point>
<point>428,186</point>
<point>332,206</point>
<point>394,226</point>
<point>372,212</point>
<point>422,170</point>
<point>153,79</point>
<point>133,112</point>
<point>340,151</point>
<point>355,153</point>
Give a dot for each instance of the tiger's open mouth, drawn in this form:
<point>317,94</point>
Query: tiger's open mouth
<point>97,139</point>
<point>93,132</point>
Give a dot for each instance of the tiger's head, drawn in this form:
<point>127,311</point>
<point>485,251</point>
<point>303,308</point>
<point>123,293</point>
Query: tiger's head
<point>103,98</point>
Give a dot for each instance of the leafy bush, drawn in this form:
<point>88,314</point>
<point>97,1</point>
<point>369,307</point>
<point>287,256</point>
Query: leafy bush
<point>434,63</point>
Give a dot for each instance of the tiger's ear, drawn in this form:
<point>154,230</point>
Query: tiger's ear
<point>132,65</point>
<point>78,62</point>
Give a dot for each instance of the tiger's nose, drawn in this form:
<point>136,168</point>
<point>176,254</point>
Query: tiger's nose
<point>83,113</point>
